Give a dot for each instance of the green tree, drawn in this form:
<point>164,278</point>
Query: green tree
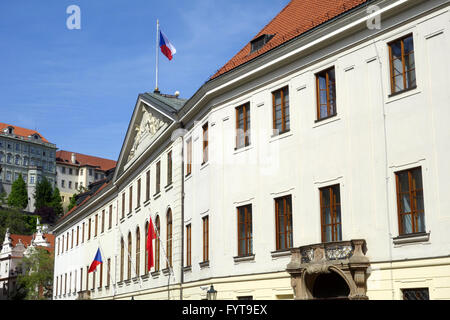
<point>56,203</point>
<point>73,202</point>
<point>17,222</point>
<point>37,275</point>
<point>3,198</point>
<point>43,194</point>
<point>18,198</point>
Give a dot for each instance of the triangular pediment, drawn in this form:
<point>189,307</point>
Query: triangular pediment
<point>148,122</point>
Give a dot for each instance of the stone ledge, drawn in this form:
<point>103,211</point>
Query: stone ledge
<point>411,238</point>
<point>246,258</point>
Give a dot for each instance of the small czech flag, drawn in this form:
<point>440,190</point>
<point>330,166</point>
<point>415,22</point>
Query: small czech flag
<point>97,260</point>
<point>166,47</point>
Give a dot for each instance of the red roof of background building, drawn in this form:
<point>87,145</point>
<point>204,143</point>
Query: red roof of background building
<point>298,17</point>
<point>26,240</point>
<point>22,132</point>
<point>84,160</point>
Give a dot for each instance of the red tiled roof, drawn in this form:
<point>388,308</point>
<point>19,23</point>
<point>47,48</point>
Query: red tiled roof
<point>26,240</point>
<point>22,132</point>
<point>84,201</point>
<point>84,160</point>
<point>298,17</point>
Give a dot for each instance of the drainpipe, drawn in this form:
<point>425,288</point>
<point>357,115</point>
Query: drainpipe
<point>182,214</point>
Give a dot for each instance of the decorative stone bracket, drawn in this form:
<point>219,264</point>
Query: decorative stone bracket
<point>346,259</point>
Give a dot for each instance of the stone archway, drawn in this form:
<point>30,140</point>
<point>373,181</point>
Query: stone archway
<point>335,270</point>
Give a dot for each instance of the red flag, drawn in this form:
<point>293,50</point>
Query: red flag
<point>151,235</point>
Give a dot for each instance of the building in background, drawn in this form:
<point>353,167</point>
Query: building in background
<point>14,248</point>
<point>27,152</point>
<point>76,171</point>
<point>313,165</point>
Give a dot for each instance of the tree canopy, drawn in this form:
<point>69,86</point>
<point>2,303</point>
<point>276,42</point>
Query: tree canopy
<point>36,279</point>
<point>18,198</point>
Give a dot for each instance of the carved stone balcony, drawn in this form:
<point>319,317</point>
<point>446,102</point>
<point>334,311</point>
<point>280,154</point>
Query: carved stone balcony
<point>333,270</point>
<point>84,295</point>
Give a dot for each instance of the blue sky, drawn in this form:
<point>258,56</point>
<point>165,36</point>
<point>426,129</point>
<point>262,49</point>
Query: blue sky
<point>78,88</point>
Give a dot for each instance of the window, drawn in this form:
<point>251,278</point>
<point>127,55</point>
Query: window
<point>146,251</point>
<point>96,225</point>
<point>326,94</point>
<point>147,187</point>
<point>78,235</point>
<point>103,221</point>
<point>82,234</point>
<point>63,169</point>
<point>283,222</point>
<point>123,205</point>
<point>138,204</point>
<point>130,207</point>
<point>205,142</point>
<point>245,235</point>
<point>410,205</point>
<point>90,172</point>
<point>70,171</point>
<point>89,230</point>
<point>188,245</point>
<point>402,64</point>
<point>205,239</point>
<point>169,238</point>
<point>157,244</point>
<point>67,242</point>
<point>243,126</point>
<point>260,42</point>
<point>63,184</point>
<point>71,240</point>
<point>129,257</point>
<point>70,184</point>
<point>101,276</point>
<point>281,122</point>
<point>169,168</point>
<point>108,272</point>
<point>330,212</point>
<point>189,157</point>
<point>122,254</point>
<point>110,217</point>
<point>138,251</point>
<point>87,278</point>
<point>416,294</point>
<point>158,177</point>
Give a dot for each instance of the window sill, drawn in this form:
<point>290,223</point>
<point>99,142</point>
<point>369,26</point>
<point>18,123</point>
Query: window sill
<point>204,264</point>
<point>187,269</point>
<point>99,289</point>
<point>166,271</point>
<point>145,277</point>
<point>243,149</point>
<point>137,209</point>
<point>246,258</point>
<point>168,187</point>
<point>135,279</point>
<point>204,165</point>
<point>413,238</point>
<point>281,253</point>
<point>187,177</point>
<point>402,91</point>
<point>122,219</point>
<point>120,284</point>
<point>155,274</point>
<point>276,137</point>
<point>157,195</point>
<point>326,118</point>
<point>147,202</point>
<point>127,282</point>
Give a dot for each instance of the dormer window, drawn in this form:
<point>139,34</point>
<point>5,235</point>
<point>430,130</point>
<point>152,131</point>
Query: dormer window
<point>9,130</point>
<point>260,42</point>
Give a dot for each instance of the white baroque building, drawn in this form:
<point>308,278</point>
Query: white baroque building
<point>313,165</point>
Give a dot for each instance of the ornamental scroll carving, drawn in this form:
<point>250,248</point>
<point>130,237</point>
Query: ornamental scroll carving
<point>147,128</point>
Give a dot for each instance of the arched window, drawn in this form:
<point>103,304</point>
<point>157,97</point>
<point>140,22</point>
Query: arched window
<point>138,251</point>
<point>129,257</point>
<point>17,161</point>
<point>122,253</point>
<point>157,243</point>
<point>169,239</point>
<point>146,251</point>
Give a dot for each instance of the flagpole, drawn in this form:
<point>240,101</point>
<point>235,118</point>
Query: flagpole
<point>157,54</point>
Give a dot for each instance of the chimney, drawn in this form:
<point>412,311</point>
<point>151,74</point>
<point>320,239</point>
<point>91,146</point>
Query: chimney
<point>74,159</point>
<point>177,94</point>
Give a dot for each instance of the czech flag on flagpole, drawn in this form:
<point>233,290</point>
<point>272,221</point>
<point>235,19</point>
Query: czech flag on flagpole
<point>97,260</point>
<point>151,235</point>
<point>166,47</point>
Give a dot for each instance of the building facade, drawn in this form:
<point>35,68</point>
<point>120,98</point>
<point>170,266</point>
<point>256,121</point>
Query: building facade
<point>313,165</point>
<point>14,248</point>
<point>27,152</point>
<point>75,172</point>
